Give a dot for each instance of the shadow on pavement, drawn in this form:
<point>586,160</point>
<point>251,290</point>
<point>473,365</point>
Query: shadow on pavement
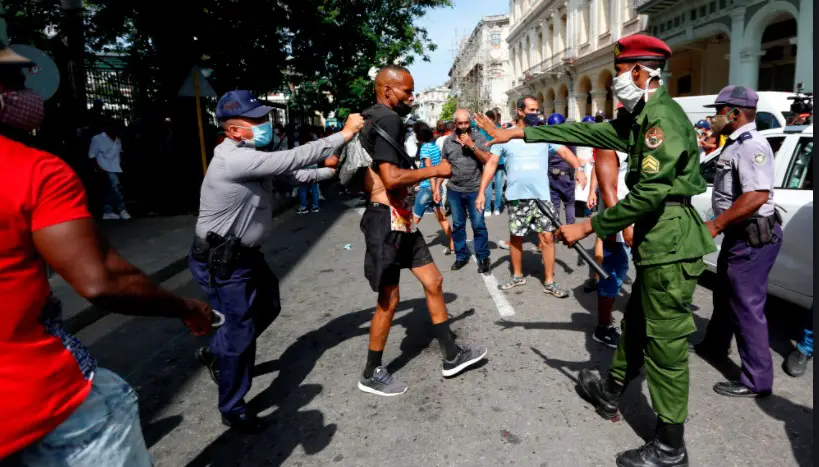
<point>798,425</point>
<point>290,426</point>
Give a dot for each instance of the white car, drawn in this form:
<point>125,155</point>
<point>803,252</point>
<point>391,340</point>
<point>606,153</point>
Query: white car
<point>792,275</point>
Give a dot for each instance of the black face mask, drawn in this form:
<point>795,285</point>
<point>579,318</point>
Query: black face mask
<point>532,120</point>
<point>402,108</point>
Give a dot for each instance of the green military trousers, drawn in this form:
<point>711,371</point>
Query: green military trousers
<point>655,332</point>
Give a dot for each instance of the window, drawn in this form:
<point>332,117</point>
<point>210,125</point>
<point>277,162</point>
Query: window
<point>604,15</point>
<point>800,173</point>
<point>693,14</point>
<point>495,38</point>
<point>684,85</point>
<point>709,170</point>
<point>628,10</point>
<point>776,144</point>
<point>766,120</point>
<point>712,7</point>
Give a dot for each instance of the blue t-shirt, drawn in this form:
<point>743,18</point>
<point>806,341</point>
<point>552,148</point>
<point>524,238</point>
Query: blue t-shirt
<point>429,151</point>
<point>527,168</point>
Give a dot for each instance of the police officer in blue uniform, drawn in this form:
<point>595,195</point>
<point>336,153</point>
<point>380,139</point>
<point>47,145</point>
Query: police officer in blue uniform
<point>234,218</point>
<point>561,177</point>
<point>744,211</point>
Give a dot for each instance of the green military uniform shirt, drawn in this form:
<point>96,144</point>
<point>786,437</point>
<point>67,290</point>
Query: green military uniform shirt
<point>663,162</point>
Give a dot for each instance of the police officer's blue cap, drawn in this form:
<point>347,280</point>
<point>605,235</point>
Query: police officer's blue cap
<point>738,96</point>
<point>556,119</point>
<point>588,119</point>
<point>702,124</point>
<point>235,104</point>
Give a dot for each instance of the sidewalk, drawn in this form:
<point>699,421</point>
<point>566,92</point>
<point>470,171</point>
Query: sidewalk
<point>156,245</point>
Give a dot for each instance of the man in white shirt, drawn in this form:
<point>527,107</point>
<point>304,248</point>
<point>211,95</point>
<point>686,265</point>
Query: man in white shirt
<point>106,149</point>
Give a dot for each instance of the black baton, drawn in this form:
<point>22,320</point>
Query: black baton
<point>548,212</point>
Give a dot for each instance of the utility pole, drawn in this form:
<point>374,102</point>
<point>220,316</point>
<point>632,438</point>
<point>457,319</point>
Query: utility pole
<point>71,62</point>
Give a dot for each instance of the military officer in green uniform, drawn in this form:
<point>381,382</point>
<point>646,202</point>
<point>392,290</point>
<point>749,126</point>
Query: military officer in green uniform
<point>669,240</point>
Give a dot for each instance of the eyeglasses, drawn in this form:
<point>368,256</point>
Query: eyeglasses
<point>462,122</point>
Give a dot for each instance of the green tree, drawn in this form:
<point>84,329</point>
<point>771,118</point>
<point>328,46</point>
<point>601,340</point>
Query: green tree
<point>323,47</point>
<point>449,108</point>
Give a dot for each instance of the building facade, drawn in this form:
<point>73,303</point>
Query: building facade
<point>429,102</point>
<point>562,52</point>
<point>766,45</point>
<point>480,73</point>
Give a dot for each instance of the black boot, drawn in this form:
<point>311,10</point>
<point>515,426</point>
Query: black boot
<point>604,395</point>
<point>666,450</point>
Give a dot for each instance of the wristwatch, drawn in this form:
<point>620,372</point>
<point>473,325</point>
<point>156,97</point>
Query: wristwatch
<point>471,148</point>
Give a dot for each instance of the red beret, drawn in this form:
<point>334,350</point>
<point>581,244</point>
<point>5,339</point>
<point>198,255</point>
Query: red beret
<point>638,47</point>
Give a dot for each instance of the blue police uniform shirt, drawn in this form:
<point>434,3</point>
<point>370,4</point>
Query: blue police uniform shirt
<point>746,164</point>
<point>557,162</point>
<point>527,168</point>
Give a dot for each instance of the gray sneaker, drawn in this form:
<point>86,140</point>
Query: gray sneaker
<point>467,357</point>
<point>554,289</point>
<point>513,281</point>
<point>382,383</point>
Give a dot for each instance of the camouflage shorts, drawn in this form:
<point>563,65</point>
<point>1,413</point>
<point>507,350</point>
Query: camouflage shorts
<point>525,217</point>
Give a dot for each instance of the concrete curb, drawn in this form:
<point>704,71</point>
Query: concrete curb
<point>91,314</point>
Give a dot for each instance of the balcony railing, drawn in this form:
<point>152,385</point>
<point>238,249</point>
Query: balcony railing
<point>546,66</point>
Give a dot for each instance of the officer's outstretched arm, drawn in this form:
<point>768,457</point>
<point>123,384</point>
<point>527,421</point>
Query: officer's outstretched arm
<point>248,163</point>
<point>606,135</point>
<point>657,173</point>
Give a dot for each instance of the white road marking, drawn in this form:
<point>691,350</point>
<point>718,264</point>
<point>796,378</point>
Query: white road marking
<point>505,308</point>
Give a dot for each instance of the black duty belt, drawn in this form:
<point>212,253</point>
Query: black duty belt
<point>201,250</point>
<point>677,201</point>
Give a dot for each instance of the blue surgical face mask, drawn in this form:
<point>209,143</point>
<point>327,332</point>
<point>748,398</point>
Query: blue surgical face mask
<point>262,134</point>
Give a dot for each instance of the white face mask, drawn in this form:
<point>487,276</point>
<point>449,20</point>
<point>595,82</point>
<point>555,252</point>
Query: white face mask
<point>628,92</point>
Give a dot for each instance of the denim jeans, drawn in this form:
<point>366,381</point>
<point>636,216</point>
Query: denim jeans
<point>424,201</point>
<point>615,263</point>
<point>103,431</point>
<point>314,194</point>
<point>460,204</point>
<point>114,201</point>
<point>497,182</point>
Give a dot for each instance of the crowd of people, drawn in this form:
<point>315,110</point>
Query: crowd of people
<point>68,411</point>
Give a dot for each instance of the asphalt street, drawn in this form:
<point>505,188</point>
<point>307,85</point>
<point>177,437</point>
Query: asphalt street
<point>520,407</point>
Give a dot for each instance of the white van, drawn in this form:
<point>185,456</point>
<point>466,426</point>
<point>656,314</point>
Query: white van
<point>772,111</point>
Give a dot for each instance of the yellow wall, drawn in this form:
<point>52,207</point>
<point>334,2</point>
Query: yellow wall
<point>705,61</point>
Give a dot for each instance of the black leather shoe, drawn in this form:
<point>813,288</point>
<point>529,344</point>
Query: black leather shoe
<point>604,395</point>
<point>796,363</point>
<point>654,454</point>
<point>483,266</point>
<point>737,389</point>
<point>206,358</point>
<point>458,264</point>
<point>246,424</point>
<point>708,352</point>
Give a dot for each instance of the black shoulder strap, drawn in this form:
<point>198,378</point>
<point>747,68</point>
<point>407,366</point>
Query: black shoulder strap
<point>394,144</point>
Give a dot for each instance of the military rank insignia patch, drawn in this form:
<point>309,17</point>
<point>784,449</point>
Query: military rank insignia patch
<point>760,159</point>
<point>617,49</point>
<point>650,165</point>
<point>654,138</point>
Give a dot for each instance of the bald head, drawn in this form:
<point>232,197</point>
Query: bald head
<point>394,87</point>
<point>461,119</point>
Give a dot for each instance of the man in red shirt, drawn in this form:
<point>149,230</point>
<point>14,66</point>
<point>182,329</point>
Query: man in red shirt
<point>58,407</point>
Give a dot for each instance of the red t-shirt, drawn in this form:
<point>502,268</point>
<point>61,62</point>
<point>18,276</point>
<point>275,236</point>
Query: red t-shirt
<point>41,381</point>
